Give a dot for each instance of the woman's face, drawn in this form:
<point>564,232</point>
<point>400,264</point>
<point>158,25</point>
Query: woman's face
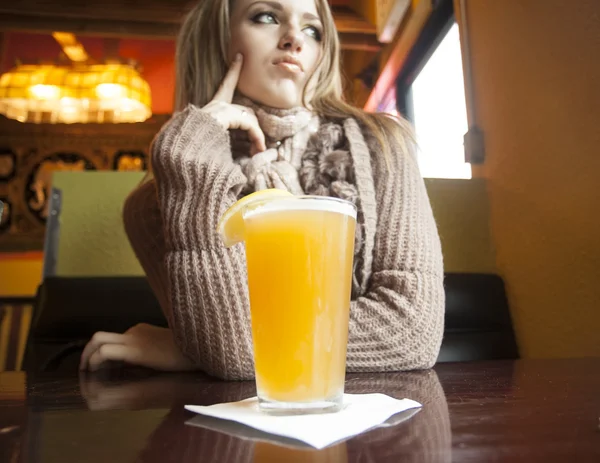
<point>281,44</point>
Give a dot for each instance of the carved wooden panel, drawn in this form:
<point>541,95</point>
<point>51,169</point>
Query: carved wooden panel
<point>30,153</point>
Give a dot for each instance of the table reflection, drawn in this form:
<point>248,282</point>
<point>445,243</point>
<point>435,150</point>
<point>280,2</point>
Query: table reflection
<point>426,438</point>
<point>501,411</point>
<point>421,435</point>
<point>133,389</point>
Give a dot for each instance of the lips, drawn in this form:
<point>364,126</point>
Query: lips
<point>289,63</point>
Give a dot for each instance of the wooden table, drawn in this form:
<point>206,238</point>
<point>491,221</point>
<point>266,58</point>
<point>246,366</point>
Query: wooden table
<point>502,411</point>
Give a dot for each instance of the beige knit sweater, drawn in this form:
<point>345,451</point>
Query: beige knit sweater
<point>397,311</point>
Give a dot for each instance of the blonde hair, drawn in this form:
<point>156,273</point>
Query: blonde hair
<point>201,65</point>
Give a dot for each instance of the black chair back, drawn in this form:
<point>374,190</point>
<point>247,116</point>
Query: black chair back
<point>478,324</point>
<point>69,310</point>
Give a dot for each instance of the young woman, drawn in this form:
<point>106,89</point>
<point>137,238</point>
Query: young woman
<point>259,105</point>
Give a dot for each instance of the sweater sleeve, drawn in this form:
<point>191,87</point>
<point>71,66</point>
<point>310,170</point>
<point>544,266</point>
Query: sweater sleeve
<point>196,182</point>
<point>398,323</point>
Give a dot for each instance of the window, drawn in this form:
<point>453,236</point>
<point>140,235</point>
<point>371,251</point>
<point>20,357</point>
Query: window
<point>431,95</point>
<point>440,113</point>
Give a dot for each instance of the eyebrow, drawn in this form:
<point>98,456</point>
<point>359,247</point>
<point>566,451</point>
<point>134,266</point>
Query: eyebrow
<point>277,6</point>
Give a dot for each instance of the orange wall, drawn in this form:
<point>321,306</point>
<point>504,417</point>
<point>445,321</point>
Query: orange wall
<point>20,273</point>
<point>536,71</point>
<point>156,58</point>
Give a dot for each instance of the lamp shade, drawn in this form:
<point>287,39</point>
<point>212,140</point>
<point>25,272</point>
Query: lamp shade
<point>98,93</point>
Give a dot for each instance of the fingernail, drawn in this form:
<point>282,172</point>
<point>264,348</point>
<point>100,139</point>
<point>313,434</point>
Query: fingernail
<point>238,57</point>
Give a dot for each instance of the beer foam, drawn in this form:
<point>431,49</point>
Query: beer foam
<point>304,204</point>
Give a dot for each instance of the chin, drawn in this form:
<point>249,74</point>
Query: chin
<point>279,101</point>
<point>284,104</point>
<point>276,96</point>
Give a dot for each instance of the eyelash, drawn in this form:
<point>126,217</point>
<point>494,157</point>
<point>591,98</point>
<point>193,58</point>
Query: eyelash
<point>318,36</point>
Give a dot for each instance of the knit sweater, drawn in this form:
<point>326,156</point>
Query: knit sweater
<point>397,310</point>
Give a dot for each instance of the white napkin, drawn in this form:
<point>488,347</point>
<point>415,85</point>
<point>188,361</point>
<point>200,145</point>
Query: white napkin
<point>360,413</point>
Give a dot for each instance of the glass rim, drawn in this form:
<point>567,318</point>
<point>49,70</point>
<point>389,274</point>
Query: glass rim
<point>323,198</point>
<point>298,198</point>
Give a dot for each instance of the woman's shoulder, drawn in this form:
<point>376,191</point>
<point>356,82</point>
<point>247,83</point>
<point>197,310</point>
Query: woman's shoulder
<point>393,141</point>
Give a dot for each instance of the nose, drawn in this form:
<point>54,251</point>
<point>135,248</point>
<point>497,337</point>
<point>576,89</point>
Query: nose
<point>292,40</point>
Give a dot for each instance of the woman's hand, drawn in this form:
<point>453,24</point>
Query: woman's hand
<point>144,345</point>
<point>232,116</point>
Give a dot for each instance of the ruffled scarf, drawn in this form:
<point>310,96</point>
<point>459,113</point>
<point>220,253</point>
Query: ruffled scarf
<point>305,155</point>
<point>286,134</point>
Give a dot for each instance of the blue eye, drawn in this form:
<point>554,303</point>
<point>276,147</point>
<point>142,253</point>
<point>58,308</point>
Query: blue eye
<point>264,18</point>
<point>314,33</point>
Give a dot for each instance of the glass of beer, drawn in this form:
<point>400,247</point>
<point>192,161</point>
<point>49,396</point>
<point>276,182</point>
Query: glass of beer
<point>299,252</point>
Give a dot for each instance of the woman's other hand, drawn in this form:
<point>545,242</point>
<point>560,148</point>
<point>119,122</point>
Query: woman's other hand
<point>232,116</point>
<point>143,345</point>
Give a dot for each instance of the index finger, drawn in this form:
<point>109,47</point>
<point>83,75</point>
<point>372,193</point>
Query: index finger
<point>229,84</point>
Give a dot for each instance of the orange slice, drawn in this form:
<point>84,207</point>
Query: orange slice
<point>231,224</point>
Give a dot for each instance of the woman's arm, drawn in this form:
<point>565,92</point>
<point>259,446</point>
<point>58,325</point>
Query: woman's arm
<point>200,285</point>
<point>196,182</point>
<point>144,229</point>
<point>398,324</point>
